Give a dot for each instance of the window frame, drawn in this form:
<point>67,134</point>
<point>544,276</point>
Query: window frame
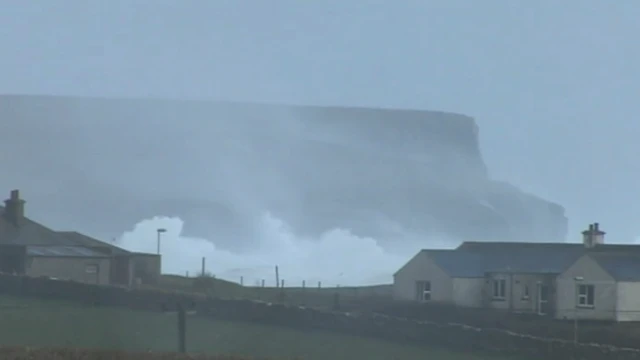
<point>423,290</point>
<point>525,292</point>
<point>94,267</point>
<point>499,289</point>
<point>585,296</point>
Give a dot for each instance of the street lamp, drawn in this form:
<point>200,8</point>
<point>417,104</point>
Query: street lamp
<point>160,231</point>
<point>576,280</point>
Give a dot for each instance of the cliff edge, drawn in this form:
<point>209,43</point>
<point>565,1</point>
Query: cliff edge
<point>101,165</point>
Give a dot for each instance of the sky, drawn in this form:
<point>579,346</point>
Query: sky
<point>553,85</point>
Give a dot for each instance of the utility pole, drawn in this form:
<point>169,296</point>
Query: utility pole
<point>204,260</point>
<point>277,277</point>
<point>160,232</point>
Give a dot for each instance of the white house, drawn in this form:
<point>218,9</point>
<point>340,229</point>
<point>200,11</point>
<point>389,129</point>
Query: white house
<point>436,276</point>
<point>591,280</point>
<point>601,286</point>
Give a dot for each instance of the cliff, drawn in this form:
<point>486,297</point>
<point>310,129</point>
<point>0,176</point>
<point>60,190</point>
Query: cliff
<point>101,165</point>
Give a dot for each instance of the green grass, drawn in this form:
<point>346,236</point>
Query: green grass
<point>33,322</point>
<point>350,297</point>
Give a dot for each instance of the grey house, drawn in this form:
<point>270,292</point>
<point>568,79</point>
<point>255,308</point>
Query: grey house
<point>29,248</point>
<point>591,280</point>
<point>601,286</point>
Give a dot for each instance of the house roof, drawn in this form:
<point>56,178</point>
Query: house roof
<point>36,236</point>
<point>29,233</point>
<point>461,263</point>
<point>480,246</point>
<point>85,240</point>
<point>621,261</point>
<point>503,245</point>
<point>621,266</point>
<point>63,251</point>
<point>458,263</point>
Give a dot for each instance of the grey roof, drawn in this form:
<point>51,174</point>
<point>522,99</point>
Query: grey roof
<point>491,246</point>
<point>63,251</point>
<point>481,246</point>
<point>29,233</point>
<point>621,266</point>
<point>460,263</point>
<point>32,233</point>
<point>85,240</point>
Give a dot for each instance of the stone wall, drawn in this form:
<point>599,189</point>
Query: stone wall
<point>429,333</point>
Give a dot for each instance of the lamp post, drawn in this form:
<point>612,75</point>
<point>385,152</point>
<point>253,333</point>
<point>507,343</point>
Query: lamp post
<point>576,280</point>
<point>160,231</point>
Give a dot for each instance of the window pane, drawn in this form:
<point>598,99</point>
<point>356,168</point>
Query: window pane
<point>582,289</point>
<point>427,286</point>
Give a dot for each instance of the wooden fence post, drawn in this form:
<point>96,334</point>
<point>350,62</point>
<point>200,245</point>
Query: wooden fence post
<point>182,329</point>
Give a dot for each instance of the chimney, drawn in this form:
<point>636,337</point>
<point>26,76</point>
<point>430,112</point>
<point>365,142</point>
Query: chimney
<point>594,236</point>
<point>598,235</point>
<point>587,237</point>
<point>14,208</point>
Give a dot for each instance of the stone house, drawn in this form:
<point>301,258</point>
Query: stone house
<point>32,249</point>
<point>588,280</point>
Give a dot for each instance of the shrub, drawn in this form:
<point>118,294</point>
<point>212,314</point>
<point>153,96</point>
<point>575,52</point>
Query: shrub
<point>204,282</point>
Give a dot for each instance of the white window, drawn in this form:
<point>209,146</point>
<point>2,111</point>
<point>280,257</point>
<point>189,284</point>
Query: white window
<point>499,288</point>
<point>91,269</point>
<point>423,290</point>
<point>586,295</point>
<point>525,292</point>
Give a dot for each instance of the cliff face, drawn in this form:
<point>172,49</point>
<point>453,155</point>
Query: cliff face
<point>101,165</point>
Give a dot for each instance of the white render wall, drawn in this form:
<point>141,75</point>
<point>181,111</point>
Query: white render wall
<point>605,291</point>
<point>468,292</point>
<point>628,301</point>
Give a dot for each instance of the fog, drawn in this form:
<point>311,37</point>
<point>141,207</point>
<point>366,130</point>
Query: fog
<point>553,86</point>
<point>336,258</point>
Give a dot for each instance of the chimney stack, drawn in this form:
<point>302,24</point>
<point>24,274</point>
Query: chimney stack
<point>14,208</point>
<point>598,235</point>
<point>594,236</point>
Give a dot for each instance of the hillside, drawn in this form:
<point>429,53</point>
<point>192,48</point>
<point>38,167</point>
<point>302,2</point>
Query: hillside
<point>100,165</point>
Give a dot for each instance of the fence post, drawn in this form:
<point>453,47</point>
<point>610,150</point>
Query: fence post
<point>304,293</point>
<point>182,329</point>
<point>281,292</point>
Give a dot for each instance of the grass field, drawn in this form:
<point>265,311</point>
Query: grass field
<point>310,296</point>
<point>42,323</point>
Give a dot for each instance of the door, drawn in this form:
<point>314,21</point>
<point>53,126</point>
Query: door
<point>92,272</point>
<point>543,299</point>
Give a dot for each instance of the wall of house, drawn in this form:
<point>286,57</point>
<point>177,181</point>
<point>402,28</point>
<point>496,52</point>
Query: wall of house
<point>516,298</point>
<point>422,268</point>
<point>69,268</point>
<point>121,270</point>
<point>12,259</point>
<point>468,292</point>
<point>604,292</point>
<point>628,301</point>
<point>146,267</point>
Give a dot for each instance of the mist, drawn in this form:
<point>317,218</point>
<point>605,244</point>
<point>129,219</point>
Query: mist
<point>336,258</point>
